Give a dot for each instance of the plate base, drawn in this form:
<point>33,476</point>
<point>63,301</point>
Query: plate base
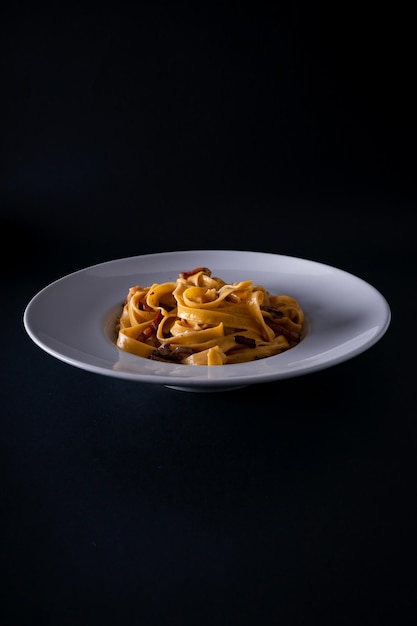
<point>205,389</point>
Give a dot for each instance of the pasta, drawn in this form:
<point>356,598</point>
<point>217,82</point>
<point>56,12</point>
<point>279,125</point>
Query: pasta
<point>201,320</point>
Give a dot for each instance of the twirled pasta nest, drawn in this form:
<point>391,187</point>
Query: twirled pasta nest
<point>202,320</point>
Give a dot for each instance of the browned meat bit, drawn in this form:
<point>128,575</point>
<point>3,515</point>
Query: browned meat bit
<point>272,311</point>
<point>249,342</point>
<point>131,293</point>
<point>164,353</point>
<point>181,352</point>
<point>186,275</point>
<point>290,335</point>
<point>150,330</point>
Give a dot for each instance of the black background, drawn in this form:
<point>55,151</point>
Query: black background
<point>268,126</point>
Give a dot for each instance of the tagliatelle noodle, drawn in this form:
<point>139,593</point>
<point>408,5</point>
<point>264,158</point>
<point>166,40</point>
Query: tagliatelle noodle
<point>202,320</point>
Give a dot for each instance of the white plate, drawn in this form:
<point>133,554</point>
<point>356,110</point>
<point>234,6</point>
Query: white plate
<point>73,318</point>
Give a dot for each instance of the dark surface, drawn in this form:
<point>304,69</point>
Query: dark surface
<point>286,129</point>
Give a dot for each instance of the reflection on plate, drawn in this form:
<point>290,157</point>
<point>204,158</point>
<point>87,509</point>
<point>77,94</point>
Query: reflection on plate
<point>73,318</point>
